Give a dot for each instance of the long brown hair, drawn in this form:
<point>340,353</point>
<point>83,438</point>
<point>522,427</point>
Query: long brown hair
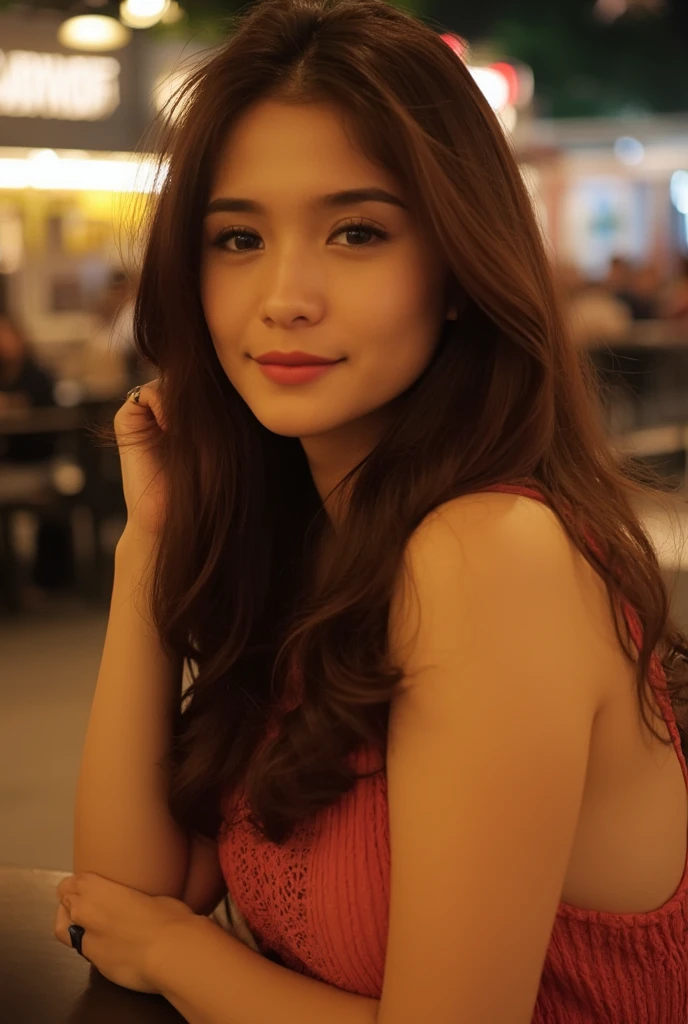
<point>251,579</point>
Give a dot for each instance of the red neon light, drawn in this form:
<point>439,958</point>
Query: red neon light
<point>455,43</point>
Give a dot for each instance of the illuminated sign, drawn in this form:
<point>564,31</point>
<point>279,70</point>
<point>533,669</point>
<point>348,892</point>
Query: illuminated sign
<point>53,85</point>
<point>505,86</point>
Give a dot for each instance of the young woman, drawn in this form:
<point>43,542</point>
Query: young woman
<point>431,746</point>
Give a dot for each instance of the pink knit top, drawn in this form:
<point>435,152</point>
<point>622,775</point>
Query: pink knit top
<point>321,903</point>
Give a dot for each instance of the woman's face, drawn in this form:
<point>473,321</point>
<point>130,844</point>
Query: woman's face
<point>284,270</point>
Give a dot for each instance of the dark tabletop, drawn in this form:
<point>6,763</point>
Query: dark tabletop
<point>44,982</point>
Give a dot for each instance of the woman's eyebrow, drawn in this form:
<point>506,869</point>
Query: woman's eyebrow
<point>348,197</point>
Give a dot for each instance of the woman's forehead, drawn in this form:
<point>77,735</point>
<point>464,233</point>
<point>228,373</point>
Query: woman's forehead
<point>272,138</point>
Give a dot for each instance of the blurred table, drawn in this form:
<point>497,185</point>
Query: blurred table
<point>52,420</point>
<point>44,982</point>
<point>645,376</point>
<point>657,334</point>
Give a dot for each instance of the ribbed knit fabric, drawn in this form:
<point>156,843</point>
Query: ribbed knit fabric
<point>321,902</point>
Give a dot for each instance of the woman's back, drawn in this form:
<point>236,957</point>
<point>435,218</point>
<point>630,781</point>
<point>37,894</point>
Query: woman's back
<point>629,853</point>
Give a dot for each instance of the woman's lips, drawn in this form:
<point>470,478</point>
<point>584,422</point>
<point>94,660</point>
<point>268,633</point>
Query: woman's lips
<point>302,374</point>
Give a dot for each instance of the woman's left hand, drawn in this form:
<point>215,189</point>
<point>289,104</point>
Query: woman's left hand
<point>122,926</point>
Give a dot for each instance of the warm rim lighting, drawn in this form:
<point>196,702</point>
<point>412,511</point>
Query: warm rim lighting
<point>96,33</point>
<point>142,13</point>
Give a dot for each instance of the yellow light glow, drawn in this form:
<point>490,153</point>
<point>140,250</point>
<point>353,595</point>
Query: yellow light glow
<point>142,13</point>
<point>173,14</point>
<point>93,32</point>
<point>47,171</point>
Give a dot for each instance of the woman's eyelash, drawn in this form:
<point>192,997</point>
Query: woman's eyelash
<point>354,225</point>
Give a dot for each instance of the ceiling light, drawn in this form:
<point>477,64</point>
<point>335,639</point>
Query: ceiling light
<point>173,14</point>
<point>142,13</point>
<point>96,33</point>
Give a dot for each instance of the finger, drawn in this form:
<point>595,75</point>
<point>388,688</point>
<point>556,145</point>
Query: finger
<point>61,929</point>
<point>67,901</point>
<point>83,881</point>
<point>66,885</point>
<point>75,883</point>
<point>149,397</point>
<point>62,923</point>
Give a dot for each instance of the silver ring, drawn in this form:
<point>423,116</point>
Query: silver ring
<point>135,393</point>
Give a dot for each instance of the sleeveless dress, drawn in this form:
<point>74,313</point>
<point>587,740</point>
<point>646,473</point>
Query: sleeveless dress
<point>319,903</point>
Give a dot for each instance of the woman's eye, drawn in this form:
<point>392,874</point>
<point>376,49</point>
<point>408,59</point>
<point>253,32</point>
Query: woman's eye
<point>356,230</point>
<point>226,236</point>
<point>361,228</point>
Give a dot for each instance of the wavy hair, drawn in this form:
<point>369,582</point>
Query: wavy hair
<point>251,582</point>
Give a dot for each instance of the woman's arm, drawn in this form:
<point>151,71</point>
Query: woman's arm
<point>123,828</point>
<point>213,978</point>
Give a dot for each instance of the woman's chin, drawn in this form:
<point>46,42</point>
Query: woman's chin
<point>297,426</point>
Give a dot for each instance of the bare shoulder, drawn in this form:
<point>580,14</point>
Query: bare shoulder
<point>496,518</point>
<point>512,535</point>
<point>507,560</point>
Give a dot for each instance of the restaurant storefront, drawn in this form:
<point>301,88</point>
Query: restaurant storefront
<point>612,187</point>
<point>72,168</point>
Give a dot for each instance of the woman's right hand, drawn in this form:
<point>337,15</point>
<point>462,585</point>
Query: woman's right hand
<point>139,428</point>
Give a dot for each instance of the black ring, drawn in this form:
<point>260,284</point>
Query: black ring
<point>76,934</point>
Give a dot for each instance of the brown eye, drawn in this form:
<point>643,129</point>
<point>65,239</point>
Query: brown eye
<point>220,242</point>
<point>360,227</point>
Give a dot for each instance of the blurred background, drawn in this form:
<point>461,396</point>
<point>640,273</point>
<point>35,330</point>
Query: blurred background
<point>594,96</point>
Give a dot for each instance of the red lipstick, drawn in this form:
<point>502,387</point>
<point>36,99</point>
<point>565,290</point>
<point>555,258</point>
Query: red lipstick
<point>293,359</point>
<point>295,367</point>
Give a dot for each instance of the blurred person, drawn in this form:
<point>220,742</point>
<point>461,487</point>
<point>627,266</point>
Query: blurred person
<point>618,278</point>
<point>116,296</point>
<point>636,287</point>
<point>24,384</point>
<point>644,292</point>
<point>107,362</point>
<point>675,305</point>
<point>431,746</point>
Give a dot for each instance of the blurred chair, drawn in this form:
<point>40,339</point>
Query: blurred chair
<point>83,477</point>
<point>26,457</point>
<point>31,489</point>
